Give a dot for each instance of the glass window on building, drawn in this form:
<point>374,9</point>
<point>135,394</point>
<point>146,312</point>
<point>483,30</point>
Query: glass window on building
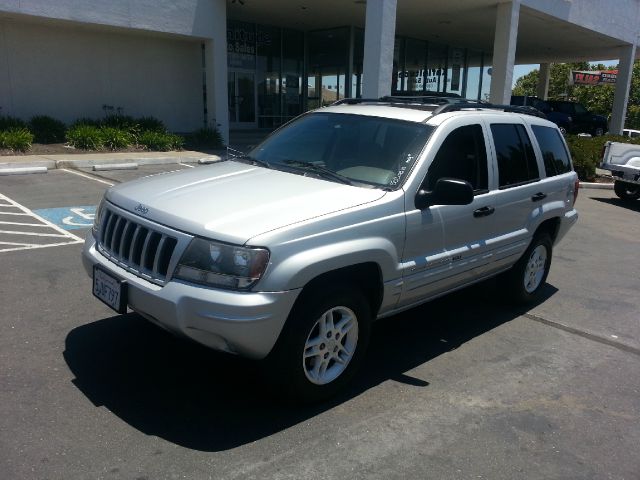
<point>241,45</point>
<point>485,92</point>
<point>358,59</point>
<point>436,72</point>
<point>415,61</point>
<point>292,73</point>
<point>397,77</point>
<point>268,78</point>
<point>474,74</point>
<point>328,60</point>
<point>456,71</point>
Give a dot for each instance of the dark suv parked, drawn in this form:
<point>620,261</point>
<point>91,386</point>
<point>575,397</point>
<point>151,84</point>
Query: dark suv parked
<point>562,120</point>
<point>582,120</point>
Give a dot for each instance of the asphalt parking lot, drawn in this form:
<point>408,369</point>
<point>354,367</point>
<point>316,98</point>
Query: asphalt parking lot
<point>465,387</point>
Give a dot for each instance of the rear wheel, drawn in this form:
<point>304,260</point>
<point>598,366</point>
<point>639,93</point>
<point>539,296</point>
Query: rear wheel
<point>322,344</point>
<point>626,191</point>
<point>527,277</point>
<point>599,131</point>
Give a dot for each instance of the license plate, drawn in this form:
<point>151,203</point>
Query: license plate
<point>110,290</point>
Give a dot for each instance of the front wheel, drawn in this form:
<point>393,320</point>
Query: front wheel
<point>599,131</point>
<point>322,344</point>
<point>626,191</point>
<point>527,277</point>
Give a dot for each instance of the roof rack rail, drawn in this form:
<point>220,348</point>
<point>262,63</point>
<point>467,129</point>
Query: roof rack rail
<point>355,101</point>
<point>454,107</point>
<point>441,104</point>
<point>427,99</point>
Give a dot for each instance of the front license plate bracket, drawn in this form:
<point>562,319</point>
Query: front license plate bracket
<point>110,290</point>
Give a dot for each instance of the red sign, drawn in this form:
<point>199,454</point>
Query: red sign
<point>595,77</point>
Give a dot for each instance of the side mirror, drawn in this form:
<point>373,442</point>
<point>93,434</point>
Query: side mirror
<point>448,191</point>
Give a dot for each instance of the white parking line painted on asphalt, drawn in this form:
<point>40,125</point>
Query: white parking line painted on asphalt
<point>33,234</point>
<point>6,235</point>
<point>186,165</point>
<point>23,224</point>
<point>84,175</point>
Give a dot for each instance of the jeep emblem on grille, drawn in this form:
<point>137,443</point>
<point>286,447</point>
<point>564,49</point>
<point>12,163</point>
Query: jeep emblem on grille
<point>141,209</point>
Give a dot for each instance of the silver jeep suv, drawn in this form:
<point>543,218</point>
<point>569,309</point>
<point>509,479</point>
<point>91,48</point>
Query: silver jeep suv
<point>345,215</point>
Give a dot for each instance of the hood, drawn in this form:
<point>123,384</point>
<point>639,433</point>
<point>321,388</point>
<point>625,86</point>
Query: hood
<point>232,201</point>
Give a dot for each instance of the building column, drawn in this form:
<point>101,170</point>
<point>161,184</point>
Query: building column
<point>504,51</point>
<point>543,81</point>
<point>623,83</point>
<point>379,41</point>
<point>215,61</point>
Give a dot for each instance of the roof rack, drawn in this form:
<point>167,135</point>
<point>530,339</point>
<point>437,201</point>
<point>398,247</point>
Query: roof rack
<point>454,107</point>
<point>355,101</point>
<point>438,105</point>
<point>427,99</point>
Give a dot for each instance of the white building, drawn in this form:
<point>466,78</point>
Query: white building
<point>257,63</point>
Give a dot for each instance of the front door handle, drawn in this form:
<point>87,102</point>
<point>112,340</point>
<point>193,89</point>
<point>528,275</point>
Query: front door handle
<point>538,196</point>
<point>483,212</point>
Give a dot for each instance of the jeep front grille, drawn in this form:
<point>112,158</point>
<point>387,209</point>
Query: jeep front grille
<point>137,248</point>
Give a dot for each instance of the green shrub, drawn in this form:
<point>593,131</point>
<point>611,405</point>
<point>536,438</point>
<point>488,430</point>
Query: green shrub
<point>8,123</point>
<point>122,122</point>
<point>16,139</point>
<point>47,130</point>
<point>160,141</point>
<point>116,138</point>
<point>151,124</point>
<point>207,137</point>
<point>586,152</point>
<point>86,121</point>
<point>85,137</point>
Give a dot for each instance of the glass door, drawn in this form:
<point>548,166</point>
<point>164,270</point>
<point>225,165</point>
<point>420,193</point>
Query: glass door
<point>242,100</point>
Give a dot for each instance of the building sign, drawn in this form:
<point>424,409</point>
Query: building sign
<point>430,76</point>
<point>596,77</point>
<point>241,45</point>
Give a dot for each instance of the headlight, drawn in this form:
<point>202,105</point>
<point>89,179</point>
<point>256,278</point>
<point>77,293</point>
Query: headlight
<point>97,219</point>
<point>221,265</point>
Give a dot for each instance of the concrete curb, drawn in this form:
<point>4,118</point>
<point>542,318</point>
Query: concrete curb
<point>49,164</point>
<point>52,162</point>
<point>23,170</point>
<point>597,186</point>
<point>88,163</point>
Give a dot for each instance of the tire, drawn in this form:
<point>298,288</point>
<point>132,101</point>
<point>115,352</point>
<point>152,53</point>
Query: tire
<point>322,344</point>
<point>626,191</point>
<point>598,132</point>
<point>526,278</point>
<point>563,131</point>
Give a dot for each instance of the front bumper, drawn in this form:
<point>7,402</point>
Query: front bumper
<point>244,323</point>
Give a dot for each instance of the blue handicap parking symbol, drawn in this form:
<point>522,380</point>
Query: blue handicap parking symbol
<point>69,218</point>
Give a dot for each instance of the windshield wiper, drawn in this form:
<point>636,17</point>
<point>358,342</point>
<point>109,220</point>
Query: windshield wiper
<point>320,170</point>
<point>233,154</point>
<point>250,159</point>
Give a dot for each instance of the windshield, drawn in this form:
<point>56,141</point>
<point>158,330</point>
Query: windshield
<point>372,151</point>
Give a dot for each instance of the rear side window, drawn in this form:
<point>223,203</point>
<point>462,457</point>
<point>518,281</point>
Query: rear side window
<point>554,153</point>
<point>516,159</point>
<point>462,155</point>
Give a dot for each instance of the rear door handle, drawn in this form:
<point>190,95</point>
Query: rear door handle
<point>483,212</point>
<point>538,196</point>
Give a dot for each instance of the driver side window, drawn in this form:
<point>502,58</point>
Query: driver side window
<point>462,155</point>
